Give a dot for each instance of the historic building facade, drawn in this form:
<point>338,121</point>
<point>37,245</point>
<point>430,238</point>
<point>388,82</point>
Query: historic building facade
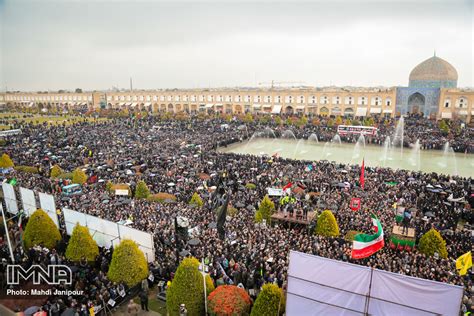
<point>432,91</point>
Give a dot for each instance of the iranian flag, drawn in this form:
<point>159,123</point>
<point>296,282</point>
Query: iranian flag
<point>365,245</point>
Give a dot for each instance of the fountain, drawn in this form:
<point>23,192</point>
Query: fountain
<point>296,147</point>
<point>361,140</point>
<point>356,152</point>
<point>336,140</point>
<point>448,154</point>
<point>266,133</point>
<point>313,139</point>
<point>414,158</point>
<point>288,134</point>
<point>326,152</point>
<point>399,134</point>
<point>386,151</point>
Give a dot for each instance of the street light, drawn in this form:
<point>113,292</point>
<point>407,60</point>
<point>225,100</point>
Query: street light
<point>204,269</point>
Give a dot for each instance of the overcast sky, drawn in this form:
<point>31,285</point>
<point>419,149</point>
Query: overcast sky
<point>47,45</point>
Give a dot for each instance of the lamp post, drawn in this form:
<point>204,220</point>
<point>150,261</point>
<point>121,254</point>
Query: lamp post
<point>204,269</point>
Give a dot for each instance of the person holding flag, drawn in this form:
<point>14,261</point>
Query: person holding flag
<point>365,245</point>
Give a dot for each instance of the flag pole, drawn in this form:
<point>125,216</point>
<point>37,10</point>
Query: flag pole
<point>368,295</point>
<point>8,234</point>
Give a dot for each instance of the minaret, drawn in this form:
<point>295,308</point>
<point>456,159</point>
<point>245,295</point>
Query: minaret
<point>131,85</point>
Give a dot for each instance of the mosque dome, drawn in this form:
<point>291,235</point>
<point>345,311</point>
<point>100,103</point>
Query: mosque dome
<point>434,72</point>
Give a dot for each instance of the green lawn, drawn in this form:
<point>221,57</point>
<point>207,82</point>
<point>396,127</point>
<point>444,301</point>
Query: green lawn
<point>154,304</point>
<point>40,119</point>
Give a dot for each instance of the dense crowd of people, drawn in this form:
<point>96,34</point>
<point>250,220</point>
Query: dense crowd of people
<point>179,157</point>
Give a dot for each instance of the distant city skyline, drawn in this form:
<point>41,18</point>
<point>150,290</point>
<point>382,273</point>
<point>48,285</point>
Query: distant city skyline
<point>97,45</point>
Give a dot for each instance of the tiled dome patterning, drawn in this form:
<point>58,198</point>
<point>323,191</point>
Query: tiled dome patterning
<point>434,72</point>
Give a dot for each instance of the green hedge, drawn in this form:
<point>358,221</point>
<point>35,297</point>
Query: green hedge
<point>27,169</point>
<point>81,245</point>
<point>187,288</point>
<point>79,176</point>
<point>196,200</point>
<point>41,230</point>
<point>250,186</point>
<point>142,191</point>
<point>6,162</point>
<point>161,197</point>
<point>269,302</point>
<point>432,242</point>
<point>55,171</point>
<point>327,225</point>
<point>265,210</point>
<point>128,264</point>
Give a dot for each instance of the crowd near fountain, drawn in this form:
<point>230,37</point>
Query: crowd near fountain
<point>392,154</point>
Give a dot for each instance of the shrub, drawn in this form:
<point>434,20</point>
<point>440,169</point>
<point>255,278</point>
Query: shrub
<point>327,225</point>
<point>196,200</point>
<point>248,118</point>
<point>128,264</point>
<point>302,121</point>
<point>270,301</point>
<point>79,176</point>
<point>108,186</point>
<point>26,169</point>
<point>231,211</point>
<point>432,242</point>
<point>316,121</point>
<point>229,300</point>
<point>444,127</point>
<point>41,230</point>
<point>161,197</point>
<point>142,191</point>
<point>81,245</point>
<point>6,162</point>
<point>187,288</point>
<point>250,186</point>
<point>55,171</point>
<point>265,210</point>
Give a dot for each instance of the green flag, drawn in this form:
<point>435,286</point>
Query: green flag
<point>13,181</point>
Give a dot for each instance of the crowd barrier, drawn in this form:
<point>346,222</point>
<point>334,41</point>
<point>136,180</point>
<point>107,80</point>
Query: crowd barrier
<point>105,233</point>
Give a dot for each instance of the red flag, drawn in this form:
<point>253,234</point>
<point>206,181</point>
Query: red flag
<point>361,181</point>
<point>355,204</point>
<point>289,184</point>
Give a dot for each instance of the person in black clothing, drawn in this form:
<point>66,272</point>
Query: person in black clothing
<point>144,300</point>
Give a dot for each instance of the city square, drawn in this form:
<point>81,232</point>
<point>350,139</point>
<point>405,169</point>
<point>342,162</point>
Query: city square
<point>271,198</point>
